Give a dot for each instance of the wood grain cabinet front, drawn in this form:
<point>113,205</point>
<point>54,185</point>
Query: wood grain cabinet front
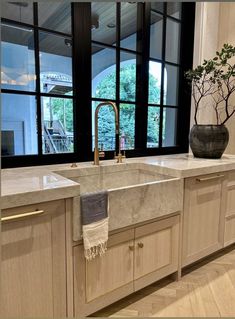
<point>229,223</point>
<point>134,259</point>
<point>100,282</point>
<point>33,269</point>
<point>203,219</point>
<point>156,251</point>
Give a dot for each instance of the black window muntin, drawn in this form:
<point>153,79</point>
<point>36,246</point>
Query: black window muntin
<point>81,39</point>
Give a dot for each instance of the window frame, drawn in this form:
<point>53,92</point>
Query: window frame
<point>82,97</point>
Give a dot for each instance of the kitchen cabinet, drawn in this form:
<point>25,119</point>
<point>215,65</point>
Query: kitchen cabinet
<point>134,259</point>
<point>156,251</point>
<point>33,272</point>
<point>203,217</point>
<point>229,223</point>
<point>105,279</point>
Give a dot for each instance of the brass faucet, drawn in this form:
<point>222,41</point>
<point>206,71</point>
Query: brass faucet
<point>100,154</point>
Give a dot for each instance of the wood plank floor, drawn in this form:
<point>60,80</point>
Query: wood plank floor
<point>206,290</point>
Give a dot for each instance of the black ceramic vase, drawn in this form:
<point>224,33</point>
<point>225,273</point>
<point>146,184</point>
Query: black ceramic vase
<point>208,141</point>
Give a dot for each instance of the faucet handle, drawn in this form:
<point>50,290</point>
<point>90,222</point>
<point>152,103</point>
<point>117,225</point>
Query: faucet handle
<point>101,154</point>
<point>101,151</point>
<point>120,157</point>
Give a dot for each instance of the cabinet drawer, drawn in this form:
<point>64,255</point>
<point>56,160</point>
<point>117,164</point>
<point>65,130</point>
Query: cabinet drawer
<point>31,211</point>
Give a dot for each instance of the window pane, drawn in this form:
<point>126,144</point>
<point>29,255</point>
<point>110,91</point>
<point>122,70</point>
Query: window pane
<point>103,16</point>
<point>172,41</point>
<point>153,127</point>
<point>169,127</point>
<point>128,77</point>
<point>103,73</point>
<point>19,126</point>
<point>156,35</point>
<point>55,64</point>
<point>55,16</point>
<point>127,126</point>
<point>18,11</point>
<point>155,69</point>
<point>128,25</point>
<point>171,86</point>
<point>17,58</point>
<point>57,125</point>
<point>106,131</point>
<point>174,9</point>
<point>157,6</point>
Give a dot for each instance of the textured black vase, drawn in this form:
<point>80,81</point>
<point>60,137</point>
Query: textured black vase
<point>208,141</point>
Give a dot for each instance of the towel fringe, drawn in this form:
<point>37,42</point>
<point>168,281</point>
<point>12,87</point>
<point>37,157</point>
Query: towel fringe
<point>94,251</point>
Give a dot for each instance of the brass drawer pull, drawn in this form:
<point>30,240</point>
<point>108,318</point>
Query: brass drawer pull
<point>204,179</point>
<point>140,245</point>
<point>24,215</point>
<point>131,248</point>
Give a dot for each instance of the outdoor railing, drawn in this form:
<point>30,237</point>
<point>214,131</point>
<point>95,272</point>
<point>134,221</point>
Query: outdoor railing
<point>107,143</point>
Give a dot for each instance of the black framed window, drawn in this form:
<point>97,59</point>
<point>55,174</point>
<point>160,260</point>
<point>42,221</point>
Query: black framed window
<point>164,72</point>
<point>37,80</point>
<point>71,56</point>
<point>114,66</point>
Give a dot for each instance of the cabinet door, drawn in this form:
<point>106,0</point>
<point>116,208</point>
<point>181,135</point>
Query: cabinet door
<point>202,224</point>
<point>33,281</point>
<point>229,230</point>
<point>156,251</point>
<point>105,279</point>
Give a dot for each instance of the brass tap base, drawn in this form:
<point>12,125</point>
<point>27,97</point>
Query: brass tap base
<point>120,157</point>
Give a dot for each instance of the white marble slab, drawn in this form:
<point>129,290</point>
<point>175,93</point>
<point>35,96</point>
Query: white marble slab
<point>136,191</point>
<point>186,165</point>
<point>24,186</point>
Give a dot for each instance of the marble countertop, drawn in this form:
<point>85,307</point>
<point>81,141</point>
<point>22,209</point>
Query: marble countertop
<point>186,165</point>
<point>23,186</point>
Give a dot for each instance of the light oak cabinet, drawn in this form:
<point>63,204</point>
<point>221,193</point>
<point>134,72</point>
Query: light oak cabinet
<point>33,272</point>
<point>203,218</point>
<point>229,223</point>
<point>102,281</point>
<point>134,259</point>
<point>156,251</point>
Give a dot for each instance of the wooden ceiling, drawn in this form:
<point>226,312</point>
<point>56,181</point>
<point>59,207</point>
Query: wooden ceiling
<point>105,13</point>
<point>57,16</point>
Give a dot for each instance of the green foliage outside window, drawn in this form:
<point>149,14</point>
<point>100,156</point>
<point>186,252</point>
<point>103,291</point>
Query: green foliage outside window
<point>62,109</point>
<point>127,115</point>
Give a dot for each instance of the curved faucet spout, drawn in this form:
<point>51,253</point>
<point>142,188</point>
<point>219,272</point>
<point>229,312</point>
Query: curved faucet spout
<point>97,153</point>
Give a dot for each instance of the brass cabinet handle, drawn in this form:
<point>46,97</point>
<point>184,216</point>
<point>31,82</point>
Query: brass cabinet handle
<point>140,245</point>
<point>204,179</point>
<point>131,248</point>
<point>24,215</point>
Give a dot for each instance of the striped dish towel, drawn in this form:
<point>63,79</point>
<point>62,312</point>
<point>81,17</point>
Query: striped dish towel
<point>95,223</point>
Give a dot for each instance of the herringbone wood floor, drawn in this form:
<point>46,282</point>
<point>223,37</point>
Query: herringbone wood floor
<point>206,290</point>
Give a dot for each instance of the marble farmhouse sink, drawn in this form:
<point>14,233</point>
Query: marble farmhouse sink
<point>115,180</point>
<point>137,192</point>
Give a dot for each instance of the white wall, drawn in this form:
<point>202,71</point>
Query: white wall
<point>205,45</point>
<point>214,26</point>
<point>227,35</point>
